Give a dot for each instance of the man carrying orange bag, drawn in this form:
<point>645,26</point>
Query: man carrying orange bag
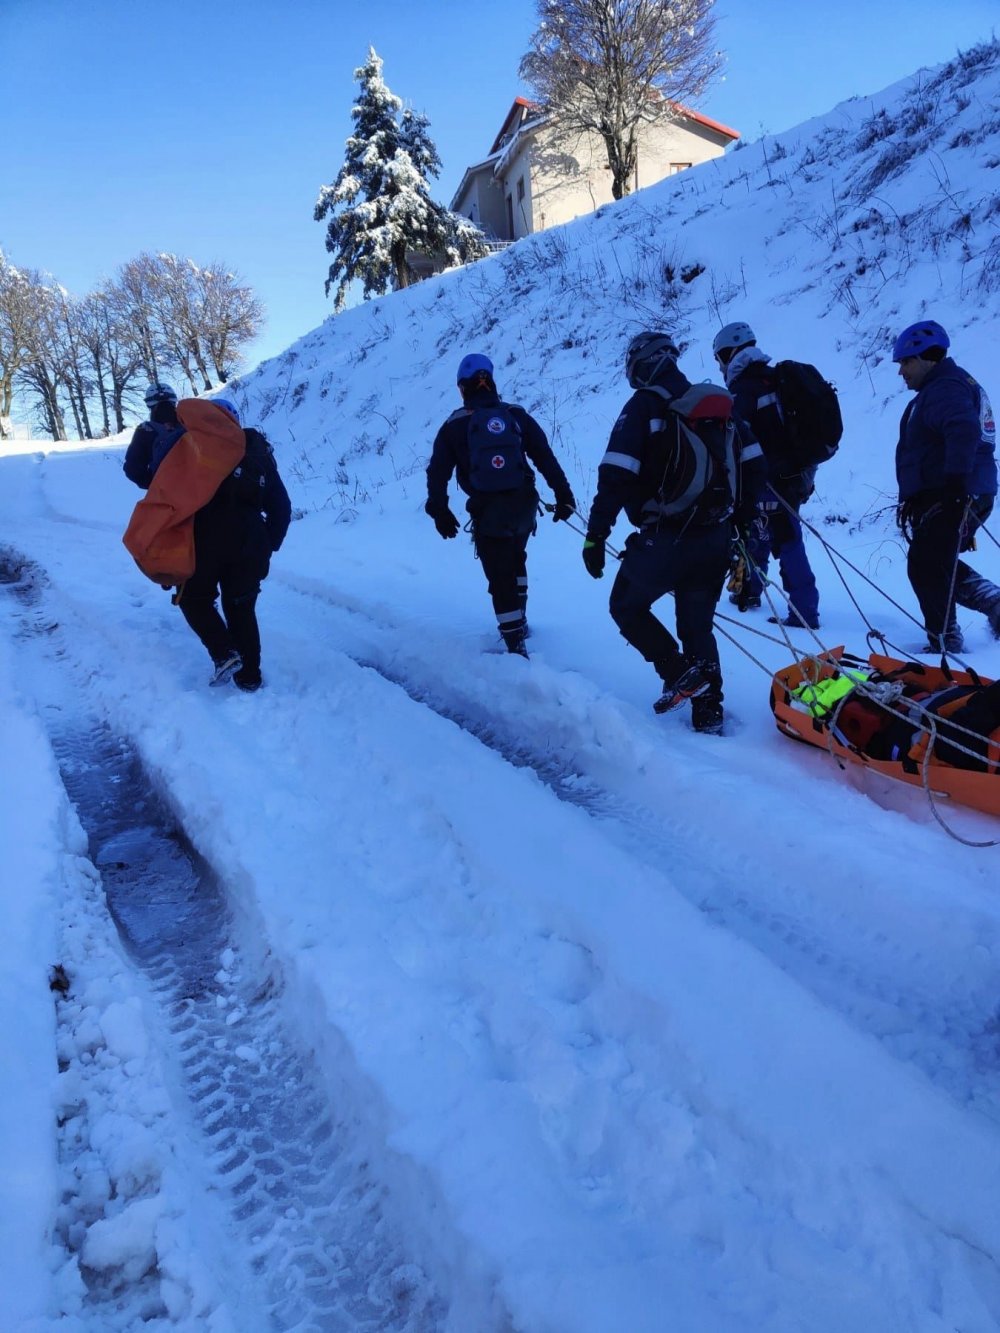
<point>214,512</point>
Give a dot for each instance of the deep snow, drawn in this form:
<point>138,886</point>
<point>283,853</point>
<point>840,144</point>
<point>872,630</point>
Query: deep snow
<point>637,1029</point>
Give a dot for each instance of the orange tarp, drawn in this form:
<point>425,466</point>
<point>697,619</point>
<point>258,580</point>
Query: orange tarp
<point>160,534</point>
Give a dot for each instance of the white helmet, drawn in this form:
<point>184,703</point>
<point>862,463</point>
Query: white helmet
<point>733,336</point>
<point>158,392</point>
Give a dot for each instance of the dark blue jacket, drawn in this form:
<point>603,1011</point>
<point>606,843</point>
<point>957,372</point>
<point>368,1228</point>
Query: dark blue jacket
<point>450,453</point>
<point>619,483</point>
<point>254,490</point>
<point>151,442</point>
<point>947,437</point>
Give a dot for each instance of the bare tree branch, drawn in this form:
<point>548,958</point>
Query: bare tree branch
<point>608,66</point>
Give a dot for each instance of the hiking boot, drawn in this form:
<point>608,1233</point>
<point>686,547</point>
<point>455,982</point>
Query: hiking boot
<point>517,646</point>
<point>953,643</point>
<point>746,602</point>
<point>246,680</point>
<point>225,666</point>
<point>706,714</point>
<point>695,680</point>
<point>793,622</point>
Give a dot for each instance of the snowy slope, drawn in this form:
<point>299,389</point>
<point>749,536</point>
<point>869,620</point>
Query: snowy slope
<point>601,1024</point>
<point>827,238</point>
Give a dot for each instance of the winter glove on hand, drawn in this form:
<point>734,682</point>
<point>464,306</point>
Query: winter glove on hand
<point>594,557</point>
<point>446,523</point>
<point>563,509</point>
<point>904,518</point>
<point>955,488</point>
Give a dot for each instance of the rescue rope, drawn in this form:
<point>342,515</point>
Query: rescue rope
<point>574,527</point>
<point>872,633</point>
<point>932,800</point>
<point>869,690</point>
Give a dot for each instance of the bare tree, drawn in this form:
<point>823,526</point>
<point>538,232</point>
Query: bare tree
<point>139,285</point>
<point>160,314</point>
<point>108,352</point>
<point>44,371</point>
<point>606,67</point>
<point>230,317</point>
<point>16,321</point>
<point>179,312</point>
<point>71,360</point>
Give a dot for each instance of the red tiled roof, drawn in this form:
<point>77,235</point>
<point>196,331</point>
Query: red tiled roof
<point>707,121</point>
<point>522,102</point>
<point>687,112</point>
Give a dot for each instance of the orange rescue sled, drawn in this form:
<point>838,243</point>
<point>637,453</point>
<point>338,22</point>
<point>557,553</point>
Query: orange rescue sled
<point>980,790</point>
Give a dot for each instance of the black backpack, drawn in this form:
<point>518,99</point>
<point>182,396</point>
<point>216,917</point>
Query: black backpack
<point>247,482</point>
<point>496,450</point>
<point>810,413</point>
<point>689,467</point>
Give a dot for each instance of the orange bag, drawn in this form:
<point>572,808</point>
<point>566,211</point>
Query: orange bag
<point>160,534</point>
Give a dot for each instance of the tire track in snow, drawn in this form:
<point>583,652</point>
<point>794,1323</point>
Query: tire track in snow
<point>319,1229</point>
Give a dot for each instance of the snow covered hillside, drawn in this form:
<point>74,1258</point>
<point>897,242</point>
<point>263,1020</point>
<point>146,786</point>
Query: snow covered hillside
<point>431,988</point>
<point>828,239</point>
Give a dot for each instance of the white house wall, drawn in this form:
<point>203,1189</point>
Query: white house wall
<point>520,214</point>
<point>572,178</point>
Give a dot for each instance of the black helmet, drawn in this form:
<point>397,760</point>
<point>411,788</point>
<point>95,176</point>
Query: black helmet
<point>645,357</point>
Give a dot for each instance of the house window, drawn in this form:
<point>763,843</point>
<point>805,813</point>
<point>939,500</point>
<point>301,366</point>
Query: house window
<point>678,166</point>
<point>520,189</point>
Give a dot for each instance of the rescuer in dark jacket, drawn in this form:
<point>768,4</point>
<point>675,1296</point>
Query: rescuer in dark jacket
<point>947,475</point>
<point>235,535</point>
<point>489,445</point>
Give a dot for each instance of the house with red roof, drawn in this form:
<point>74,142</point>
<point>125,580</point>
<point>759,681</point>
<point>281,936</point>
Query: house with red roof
<point>534,177</point>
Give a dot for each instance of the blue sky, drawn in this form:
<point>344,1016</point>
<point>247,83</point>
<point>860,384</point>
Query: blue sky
<point>207,129</point>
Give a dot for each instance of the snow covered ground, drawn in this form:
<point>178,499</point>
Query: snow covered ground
<point>488,1000</point>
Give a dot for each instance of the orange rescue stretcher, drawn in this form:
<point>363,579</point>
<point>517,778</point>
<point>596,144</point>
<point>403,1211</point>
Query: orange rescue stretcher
<point>909,738</point>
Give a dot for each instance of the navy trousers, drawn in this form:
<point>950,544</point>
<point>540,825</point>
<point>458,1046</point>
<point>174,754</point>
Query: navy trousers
<point>691,563</point>
<point>938,538</point>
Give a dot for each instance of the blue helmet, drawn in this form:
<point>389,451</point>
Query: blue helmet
<point>229,406</point>
<point>469,365</point>
<point>916,339</point>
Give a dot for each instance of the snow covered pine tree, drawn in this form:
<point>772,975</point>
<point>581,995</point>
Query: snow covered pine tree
<point>379,207</point>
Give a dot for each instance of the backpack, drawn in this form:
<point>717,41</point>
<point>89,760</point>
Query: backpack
<point>690,469</point>
<point>810,414</point>
<point>248,480</point>
<point>164,439</point>
<point>496,450</point>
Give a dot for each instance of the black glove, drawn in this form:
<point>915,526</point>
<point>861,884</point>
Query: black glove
<point>564,509</point>
<point>445,522</point>
<point>955,488</point>
<point>594,557</point>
